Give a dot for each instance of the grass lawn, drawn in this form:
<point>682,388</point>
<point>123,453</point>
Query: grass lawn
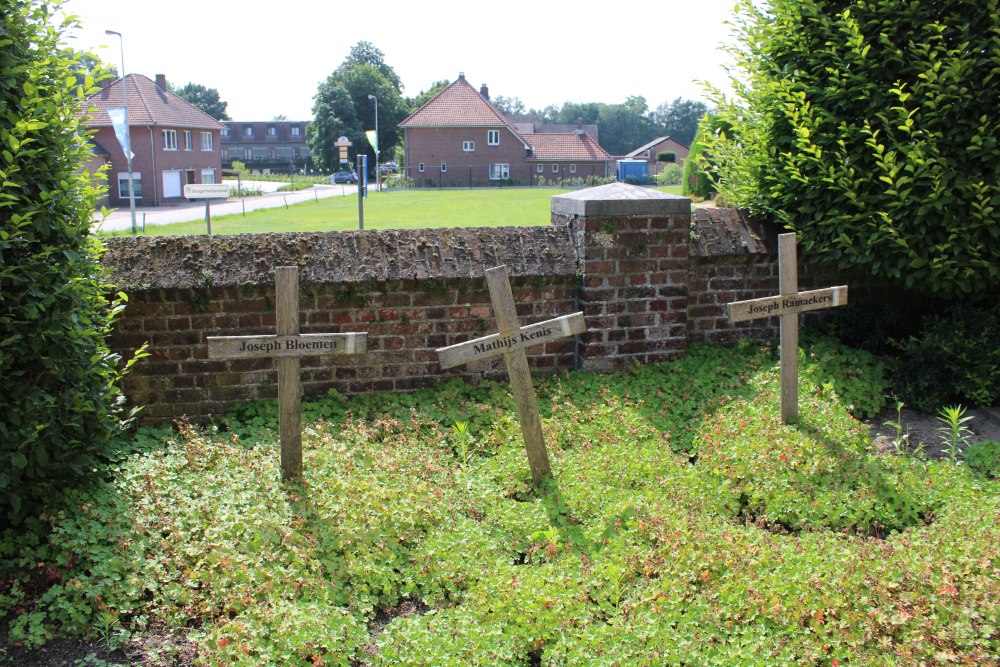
<point>401,209</point>
<point>685,525</point>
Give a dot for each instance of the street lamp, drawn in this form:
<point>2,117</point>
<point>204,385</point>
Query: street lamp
<point>378,171</point>
<point>128,138</point>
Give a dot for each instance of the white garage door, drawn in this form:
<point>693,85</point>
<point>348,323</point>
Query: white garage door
<point>171,184</point>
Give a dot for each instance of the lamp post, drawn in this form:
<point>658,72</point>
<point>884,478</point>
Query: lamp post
<point>378,171</point>
<point>128,138</point>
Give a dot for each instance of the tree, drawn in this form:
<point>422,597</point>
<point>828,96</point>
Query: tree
<point>871,128</point>
<point>206,99</point>
<point>679,119</point>
<point>88,64</point>
<point>425,96</point>
<point>343,107</point>
<point>509,106</point>
<point>62,403</point>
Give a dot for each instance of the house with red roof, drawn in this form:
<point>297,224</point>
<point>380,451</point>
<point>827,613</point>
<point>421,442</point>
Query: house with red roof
<point>173,142</point>
<point>459,139</point>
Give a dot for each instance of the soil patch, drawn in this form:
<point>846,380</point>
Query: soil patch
<point>922,430</point>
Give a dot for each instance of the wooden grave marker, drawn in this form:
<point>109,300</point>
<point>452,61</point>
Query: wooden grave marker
<point>787,305</point>
<point>510,341</point>
<point>288,346</point>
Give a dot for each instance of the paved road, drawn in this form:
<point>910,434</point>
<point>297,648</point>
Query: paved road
<point>191,211</point>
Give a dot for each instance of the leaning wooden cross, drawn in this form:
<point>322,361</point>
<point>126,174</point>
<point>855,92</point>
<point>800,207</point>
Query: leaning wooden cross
<point>288,346</point>
<point>787,305</point>
<point>510,341</point>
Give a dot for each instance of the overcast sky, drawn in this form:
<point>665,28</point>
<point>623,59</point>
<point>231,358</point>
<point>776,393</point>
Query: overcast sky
<point>267,59</point>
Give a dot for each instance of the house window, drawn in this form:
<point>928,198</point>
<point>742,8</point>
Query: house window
<point>499,172</point>
<point>572,169</point>
<point>468,146</point>
<point>540,168</point>
<point>259,154</point>
<point>236,153</point>
<point>248,131</point>
<point>206,141</point>
<point>208,176</point>
<point>188,144</point>
<point>444,167</point>
<point>225,132</point>
<point>296,131</point>
<point>555,169</point>
<point>493,137</point>
<point>123,184</point>
<point>272,131</point>
<point>420,167</point>
<point>169,140</point>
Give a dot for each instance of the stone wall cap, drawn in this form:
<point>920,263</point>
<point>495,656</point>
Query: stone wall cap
<point>621,199</point>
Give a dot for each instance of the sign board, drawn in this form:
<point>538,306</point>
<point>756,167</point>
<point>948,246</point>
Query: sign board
<point>206,191</point>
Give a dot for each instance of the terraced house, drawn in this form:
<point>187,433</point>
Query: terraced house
<point>459,139</point>
<point>173,142</point>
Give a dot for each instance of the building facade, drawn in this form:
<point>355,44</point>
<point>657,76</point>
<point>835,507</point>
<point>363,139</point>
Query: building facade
<point>650,153</point>
<point>267,147</point>
<point>173,142</point>
<point>459,139</point>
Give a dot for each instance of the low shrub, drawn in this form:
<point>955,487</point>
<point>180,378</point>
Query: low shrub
<point>984,458</point>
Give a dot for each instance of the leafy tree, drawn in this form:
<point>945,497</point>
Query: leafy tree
<point>280,116</point>
<point>62,403</point>
<point>679,118</point>
<point>871,128</point>
<point>206,99</point>
<point>87,63</point>
<point>425,96</point>
<point>343,108</point>
<point>509,106</point>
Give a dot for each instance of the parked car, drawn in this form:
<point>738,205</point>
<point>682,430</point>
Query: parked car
<point>344,177</point>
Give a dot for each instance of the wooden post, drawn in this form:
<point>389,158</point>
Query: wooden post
<point>288,346</point>
<point>787,305</point>
<point>511,341</point>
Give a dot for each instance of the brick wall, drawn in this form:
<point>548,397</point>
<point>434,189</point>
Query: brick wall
<point>649,278</point>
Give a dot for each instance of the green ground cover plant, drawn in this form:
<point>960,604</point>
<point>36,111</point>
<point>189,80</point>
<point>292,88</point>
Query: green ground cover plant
<point>409,209</point>
<point>685,525</point>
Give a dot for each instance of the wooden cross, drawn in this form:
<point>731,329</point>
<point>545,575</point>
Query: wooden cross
<point>288,346</point>
<point>510,341</point>
<point>787,305</point>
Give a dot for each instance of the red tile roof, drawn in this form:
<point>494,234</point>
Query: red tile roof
<point>148,104</point>
<point>579,147</point>
<point>458,105</point>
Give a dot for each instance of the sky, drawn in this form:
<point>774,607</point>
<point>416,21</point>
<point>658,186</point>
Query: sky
<point>267,59</point>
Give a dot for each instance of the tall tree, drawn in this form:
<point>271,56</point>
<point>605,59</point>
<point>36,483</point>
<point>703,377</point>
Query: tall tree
<point>622,127</point>
<point>679,118</point>
<point>509,106</point>
<point>870,127</point>
<point>206,99</point>
<point>344,107</point>
<point>425,96</point>
<point>83,64</point>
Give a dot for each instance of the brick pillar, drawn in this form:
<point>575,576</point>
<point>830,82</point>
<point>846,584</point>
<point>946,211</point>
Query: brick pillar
<point>632,254</point>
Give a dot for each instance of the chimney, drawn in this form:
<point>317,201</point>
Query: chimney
<point>579,127</point>
<point>161,81</point>
<point>485,92</point>
<point>461,75</point>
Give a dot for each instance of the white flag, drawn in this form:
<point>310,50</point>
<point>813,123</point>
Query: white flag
<point>120,123</point>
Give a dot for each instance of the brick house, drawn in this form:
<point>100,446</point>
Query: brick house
<point>459,139</point>
<point>173,142</point>
<point>269,147</point>
<point>650,151</point>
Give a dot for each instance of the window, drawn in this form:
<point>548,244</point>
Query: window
<point>284,153</point>
<point>572,169</point>
<point>236,153</point>
<point>225,132</point>
<point>420,167</point>
<point>259,154</point>
<point>208,176</point>
<point>540,168</point>
<point>468,146</point>
<point>169,140</point>
<point>555,169</point>
<point>272,131</point>
<point>296,131</point>
<point>123,184</point>
<point>188,144</point>
<point>499,172</point>
<point>247,131</point>
<point>444,167</point>
<point>493,137</point>
<point>206,141</point>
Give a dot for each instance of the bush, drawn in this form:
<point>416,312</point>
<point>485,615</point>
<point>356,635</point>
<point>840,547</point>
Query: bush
<point>62,404</point>
<point>671,175</point>
<point>984,458</point>
<point>694,179</point>
<point>870,128</point>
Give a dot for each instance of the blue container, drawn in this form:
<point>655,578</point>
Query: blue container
<point>633,171</point>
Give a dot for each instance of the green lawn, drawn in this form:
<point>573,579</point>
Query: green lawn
<point>404,209</point>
